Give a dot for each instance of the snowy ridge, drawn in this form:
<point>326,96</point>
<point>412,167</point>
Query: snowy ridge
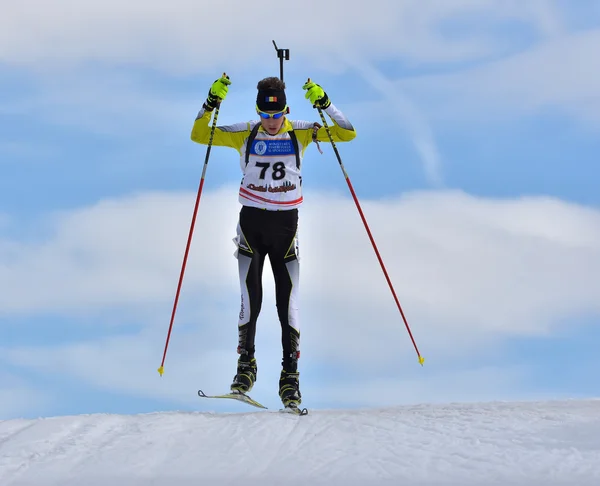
<point>530,443</point>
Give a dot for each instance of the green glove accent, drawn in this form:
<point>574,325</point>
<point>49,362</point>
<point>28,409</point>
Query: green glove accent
<point>218,92</point>
<point>316,95</point>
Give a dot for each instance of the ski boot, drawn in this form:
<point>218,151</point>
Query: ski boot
<point>244,380</point>
<point>289,389</point>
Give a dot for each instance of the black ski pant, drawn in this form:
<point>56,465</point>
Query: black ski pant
<point>260,233</point>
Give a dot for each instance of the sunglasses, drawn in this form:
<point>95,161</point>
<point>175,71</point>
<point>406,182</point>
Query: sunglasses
<point>275,116</point>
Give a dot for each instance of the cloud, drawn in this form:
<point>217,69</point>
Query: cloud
<point>128,363</point>
<point>180,38</point>
<point>457,261</point>
<point>117,252</point>
<point>13,151</point>
<point>561,74</point>
<point>407,114</point>
<point>18,398</point>
<point>470,274</point>
<point>206,359</point>
<point>102,98</point>
<point>475,384</point>
<point>101,102</point>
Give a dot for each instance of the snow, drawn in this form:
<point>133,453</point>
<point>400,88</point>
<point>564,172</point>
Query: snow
<point>504,443</point>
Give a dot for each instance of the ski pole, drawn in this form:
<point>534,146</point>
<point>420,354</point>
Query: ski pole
<point>189,241</point>
<point>325,124</point>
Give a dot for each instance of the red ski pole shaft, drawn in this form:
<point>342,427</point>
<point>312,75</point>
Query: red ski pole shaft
<point>364,220</point>
<point>189,240</point>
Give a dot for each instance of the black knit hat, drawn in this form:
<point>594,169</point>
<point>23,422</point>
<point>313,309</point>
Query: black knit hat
<point>271,99</point>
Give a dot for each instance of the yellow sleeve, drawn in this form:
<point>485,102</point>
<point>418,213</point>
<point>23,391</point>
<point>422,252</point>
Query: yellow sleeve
<point>341,129</point>
<point>338,133</point>
<point>225,136</point>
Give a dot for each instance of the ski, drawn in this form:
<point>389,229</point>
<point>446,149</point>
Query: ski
<point>294,410</point>
<point>241,397</point>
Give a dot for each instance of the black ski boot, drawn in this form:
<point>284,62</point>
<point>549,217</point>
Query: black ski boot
<point>289,389</point>
<point>244,380</point>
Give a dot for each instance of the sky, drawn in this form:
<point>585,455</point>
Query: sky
<point>534,443</point>
<point>475,163</point>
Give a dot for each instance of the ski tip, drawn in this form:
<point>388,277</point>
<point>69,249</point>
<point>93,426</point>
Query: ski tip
<point>235,395</point>
<point>161,370</point>
<point>421,360</point>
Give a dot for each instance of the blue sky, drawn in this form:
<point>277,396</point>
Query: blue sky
<point>476,163</point>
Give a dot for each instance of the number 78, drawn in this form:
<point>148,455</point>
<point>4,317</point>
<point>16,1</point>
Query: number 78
<point>278,170</point>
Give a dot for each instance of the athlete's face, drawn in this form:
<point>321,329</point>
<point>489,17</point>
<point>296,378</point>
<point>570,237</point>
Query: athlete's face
<point>272,125</point>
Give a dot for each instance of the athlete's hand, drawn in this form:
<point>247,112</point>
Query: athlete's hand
<point>316,95</point>
<point>218,92</point>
